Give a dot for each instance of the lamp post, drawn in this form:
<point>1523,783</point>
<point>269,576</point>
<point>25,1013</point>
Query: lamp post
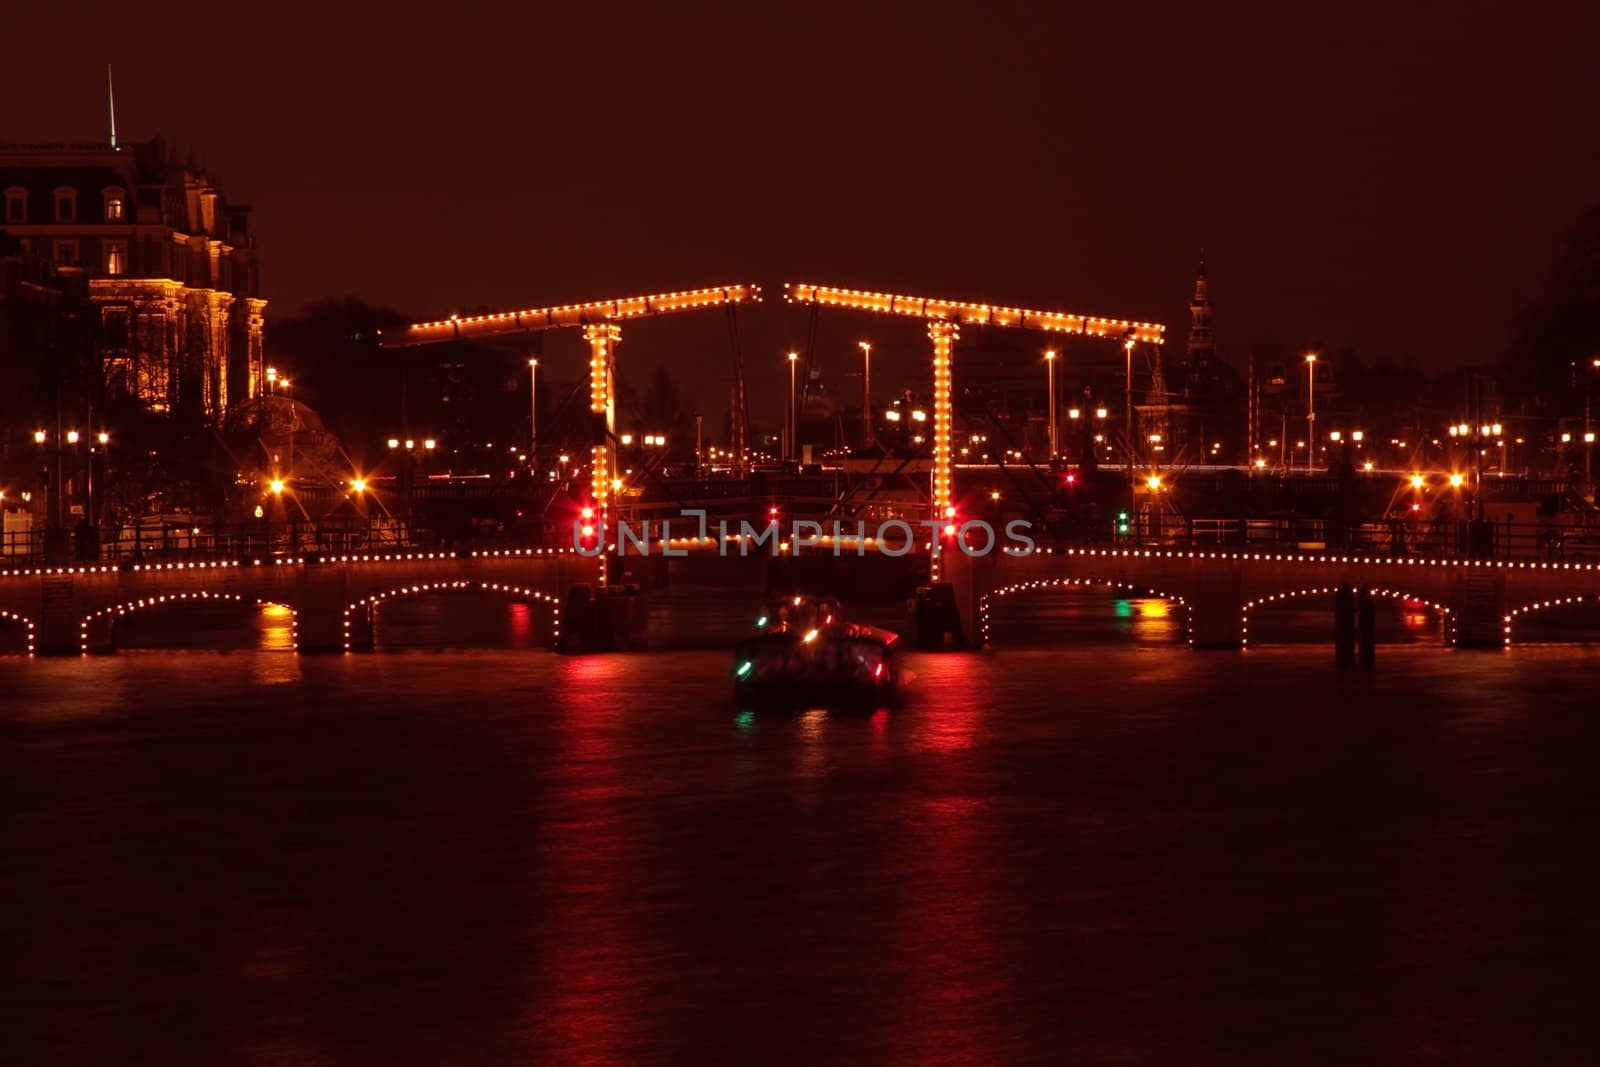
<point>866,393</point>
<point>533,411</point>
<point>792,447</point>
<point>1050,364</point>
<point>1588,432</point>
<point>1311,408</point>
<point>409,454</point>
<point>1127,348</point>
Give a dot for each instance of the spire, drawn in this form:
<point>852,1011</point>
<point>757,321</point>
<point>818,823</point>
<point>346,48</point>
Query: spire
<point>111,101</point>
<point>1201,349</point>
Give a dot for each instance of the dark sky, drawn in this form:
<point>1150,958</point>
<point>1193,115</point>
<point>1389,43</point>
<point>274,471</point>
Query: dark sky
<point>1393,176</point>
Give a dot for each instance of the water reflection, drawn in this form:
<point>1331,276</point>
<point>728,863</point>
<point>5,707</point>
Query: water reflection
<point>511,856</point>
<point>1063,615</point>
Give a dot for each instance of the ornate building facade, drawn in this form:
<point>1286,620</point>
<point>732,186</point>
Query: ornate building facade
<point>170,265</point>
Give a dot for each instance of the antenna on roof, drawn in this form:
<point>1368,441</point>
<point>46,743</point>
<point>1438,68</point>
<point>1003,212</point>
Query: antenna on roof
<point>111,99</point>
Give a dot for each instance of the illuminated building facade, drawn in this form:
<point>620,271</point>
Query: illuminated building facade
<point>170,266</point>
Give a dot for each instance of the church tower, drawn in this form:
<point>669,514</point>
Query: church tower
<point>1201,352</point>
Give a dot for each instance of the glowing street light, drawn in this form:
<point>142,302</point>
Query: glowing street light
<point>38,437</point>
<point>1311,401</point>
<point>793,448</point>
<point>533,407</point>
<point>1457,480</point>
<point>866,393</point>
<point>1050,363</point>
<point>72,437</point>
<point>104,438</point>
<point>1153,483</point>
<point>276,485</point>
<point>1417,481</point>
<point>358,484</point>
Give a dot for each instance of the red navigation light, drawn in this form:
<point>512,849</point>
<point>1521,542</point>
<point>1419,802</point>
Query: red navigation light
<point>1071,478</point>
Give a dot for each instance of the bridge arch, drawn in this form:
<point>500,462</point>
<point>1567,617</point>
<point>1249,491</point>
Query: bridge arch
<point>113,612</point>
<point>27,627</point>
<point>1385,592</point>
<point>1536,606</point>
<point>986,601</point>
<point>409,589</point>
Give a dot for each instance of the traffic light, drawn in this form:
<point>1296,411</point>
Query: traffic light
<point>1122,523</point>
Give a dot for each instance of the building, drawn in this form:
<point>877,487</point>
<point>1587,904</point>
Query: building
<point>170,265</point>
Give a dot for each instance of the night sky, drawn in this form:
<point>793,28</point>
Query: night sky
<point>1394,177</point>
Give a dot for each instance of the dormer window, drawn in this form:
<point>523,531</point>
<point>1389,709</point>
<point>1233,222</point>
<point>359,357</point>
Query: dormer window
<point>116,209</point>
<point>16,205</point>
<point>66,205</point>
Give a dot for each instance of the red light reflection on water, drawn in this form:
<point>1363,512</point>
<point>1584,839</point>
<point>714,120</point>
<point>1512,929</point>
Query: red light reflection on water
<point>586,1006</point>
<point>519,625</point>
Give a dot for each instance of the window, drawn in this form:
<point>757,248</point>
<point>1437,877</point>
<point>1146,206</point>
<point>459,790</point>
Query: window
<point>115,210</point>
<point>16,205</point>
<point>66,252</point>
<point>66,205</point>
<point>116,257</point>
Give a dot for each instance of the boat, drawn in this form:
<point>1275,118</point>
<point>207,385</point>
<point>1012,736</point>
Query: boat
<point>805,652</point>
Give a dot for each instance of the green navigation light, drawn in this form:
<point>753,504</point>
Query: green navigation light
<point>745,668</point>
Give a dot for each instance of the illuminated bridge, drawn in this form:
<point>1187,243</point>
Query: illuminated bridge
<point>333,599</point>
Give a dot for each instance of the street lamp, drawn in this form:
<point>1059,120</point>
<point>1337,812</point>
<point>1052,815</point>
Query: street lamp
<point>866,393</point>
<point>1127,348</point>
<point>1311,404</point>
<point>793,447</point>
<point>1050,363</point>
<point>533,410</point>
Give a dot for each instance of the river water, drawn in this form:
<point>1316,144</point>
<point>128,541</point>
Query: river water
<point>1089,845</point>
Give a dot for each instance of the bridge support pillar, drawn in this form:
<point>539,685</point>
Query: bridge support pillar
<point>359,629</point>
<point>1216,604</point>
<point>98,634</point>
<point>970,578</point>
<point>58,617</point>
<point>1479,606</point>
<point>321,596</point>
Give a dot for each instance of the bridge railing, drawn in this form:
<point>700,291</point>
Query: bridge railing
<point>182,541</point>
<point>1447,540</point>
<point>185,541</point>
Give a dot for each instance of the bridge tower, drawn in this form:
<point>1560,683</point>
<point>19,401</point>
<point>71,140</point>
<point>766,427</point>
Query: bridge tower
<point>603,338</point>
<point>943,333</point>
